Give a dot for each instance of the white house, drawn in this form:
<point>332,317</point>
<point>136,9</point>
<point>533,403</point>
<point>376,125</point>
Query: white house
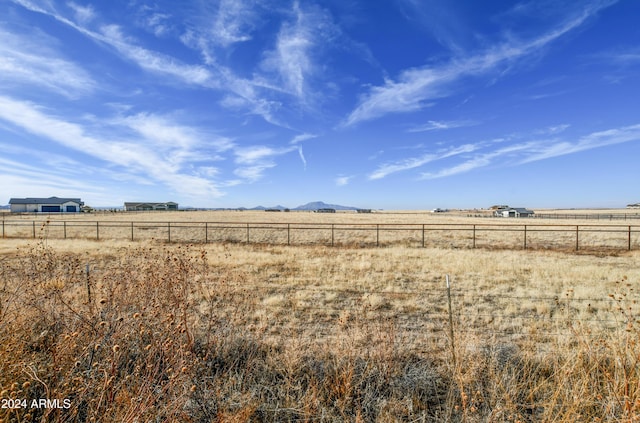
<point>514,212</point>
<point>45,205</point>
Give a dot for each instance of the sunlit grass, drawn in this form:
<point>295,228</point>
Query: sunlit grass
<point>233,332</point>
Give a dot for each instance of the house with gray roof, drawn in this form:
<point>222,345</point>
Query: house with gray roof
<point>45,205</point>
<point>142,206</point>
<point>514,212</point>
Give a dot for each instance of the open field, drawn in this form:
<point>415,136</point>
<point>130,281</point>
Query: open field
<point>234,332</point>
<point>418,229</point>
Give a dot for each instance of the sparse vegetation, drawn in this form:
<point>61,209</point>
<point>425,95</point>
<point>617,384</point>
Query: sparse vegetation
<point>230,332</point>
<point>443,230</point>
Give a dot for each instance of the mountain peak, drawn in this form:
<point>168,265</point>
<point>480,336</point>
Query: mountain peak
<point>315,205</point>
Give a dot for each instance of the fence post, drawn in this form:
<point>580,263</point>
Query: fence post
<point>88,284</point>
<point>169,231</point>
<point>131,231</point>
<point>629,239</point>
<point>64,226</point>
<point>206,232</point>
<point>453,345</point>
<point>423,235</point>
<point>377,235</point>
<point>2,226</point>
<point>577,236</point>
<point>474,236</point>
<point>288,233</point>
<point>97,230</point>
<point>34,229</point>
<point>332,234</point>
<point>525,237</point>
<point>247,233</point>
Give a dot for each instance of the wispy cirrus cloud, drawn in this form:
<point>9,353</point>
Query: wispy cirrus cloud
<point>439,17</point>
<point>555,129</point>
<point>283,71</point>
<point>387,169</point>
<point>536,150</point>
<point>234,22</point>
<point>342,181</point>
<point>147,59</point>
<point>480,159</point>
<point>158,162</point>
<point>434,125</point>
<point>83,14</point>
<point>630,56</point>
<point>309,30</point>
<point>244,94</point>
<point>53,173</point>
<point>417,87</point>
<point>512,150</point>
<point>290,59</point>
<point>216,27</point>
<point>254,160</point>
<point>546,150</point>
<point>27,61</point>
<point>21,179</point>
<point>302,137</point>
<point>165,133</point>
<point>156,62</point>
<point>301,154</point>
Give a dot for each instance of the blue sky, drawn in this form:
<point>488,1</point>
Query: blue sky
<point>394,104</point>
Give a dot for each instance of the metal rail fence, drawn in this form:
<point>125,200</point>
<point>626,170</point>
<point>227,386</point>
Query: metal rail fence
<point>451,235</point>
<point>588,216</point>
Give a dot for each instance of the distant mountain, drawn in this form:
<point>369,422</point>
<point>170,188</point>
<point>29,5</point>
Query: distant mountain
<point>315,205</point>
<point>268,208</point>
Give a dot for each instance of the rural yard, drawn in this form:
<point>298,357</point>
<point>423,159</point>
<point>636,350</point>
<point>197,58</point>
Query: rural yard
<point>305,331</point>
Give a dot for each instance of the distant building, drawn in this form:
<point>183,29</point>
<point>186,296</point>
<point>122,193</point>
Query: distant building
<point>514,212</point>
<point>633,206</point>
<point>45,205</point>
<point>326,210</point>
<point>151,206</point>
<point>364,210</point>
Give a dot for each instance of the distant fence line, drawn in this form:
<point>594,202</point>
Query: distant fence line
<point>472,214</point>
<point>588,216</point>
<point>452,235</point>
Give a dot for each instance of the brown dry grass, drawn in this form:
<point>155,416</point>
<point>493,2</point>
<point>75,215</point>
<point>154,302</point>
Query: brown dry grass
<point>232,332</point>
<point>443,230</point>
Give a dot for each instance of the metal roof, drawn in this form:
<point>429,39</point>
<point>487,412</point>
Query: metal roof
<point>50,200</point>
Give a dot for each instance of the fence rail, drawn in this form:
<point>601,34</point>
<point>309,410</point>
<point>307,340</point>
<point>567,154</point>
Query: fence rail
<point>588,216</point>
<point>452,235</point>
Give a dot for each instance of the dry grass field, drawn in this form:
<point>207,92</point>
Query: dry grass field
<point>458,229</point>
<point>232,332</point>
